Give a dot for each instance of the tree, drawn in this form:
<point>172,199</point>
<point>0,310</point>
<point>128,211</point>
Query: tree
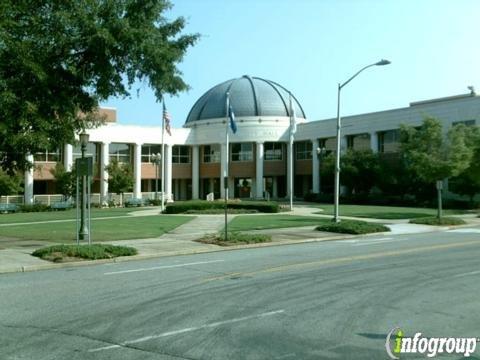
<point>65,181</point>
<point>359,169</point>
<point>431,155</point>
<point>59,59</point>
<point>468,181</point>
<point>9,184</point>
<point>120,178</point>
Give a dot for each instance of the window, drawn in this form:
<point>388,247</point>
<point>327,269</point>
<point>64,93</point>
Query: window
<point>389,141</point>
<point>47,156</point>
<point>242,152</point>
<point>465,122</point>
<point>119,152</point>
<point>181,154</point>
<point>303,150</point>
<point>211,153</point>
<point>358,142</point>
<point>148,151</point>
<point>273,151</point>
<point>91,151</point>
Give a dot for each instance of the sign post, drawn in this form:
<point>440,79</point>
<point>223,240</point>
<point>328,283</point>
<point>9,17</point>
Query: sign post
<point>439,194</point>
<point>84,167</point>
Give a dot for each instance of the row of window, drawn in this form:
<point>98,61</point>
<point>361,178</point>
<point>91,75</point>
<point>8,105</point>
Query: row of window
<point>388,141</point>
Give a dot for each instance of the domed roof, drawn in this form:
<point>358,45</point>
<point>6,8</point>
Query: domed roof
<point>249,96</point>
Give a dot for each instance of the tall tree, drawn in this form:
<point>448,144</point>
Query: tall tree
<point>120,178</point>
<point>65,181</point>
<point>432,155</point>
<point>359,170</point>
<point>9,184</point>
<point>59,59</point>
<point>468,181</point>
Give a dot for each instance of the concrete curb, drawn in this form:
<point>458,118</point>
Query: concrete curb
<point>50,266</point>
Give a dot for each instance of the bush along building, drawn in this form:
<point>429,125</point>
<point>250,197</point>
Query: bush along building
<point>195,155</point>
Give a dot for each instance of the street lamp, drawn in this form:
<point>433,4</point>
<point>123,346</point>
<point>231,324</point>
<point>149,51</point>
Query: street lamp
<point>156,158</point>
<point>320,151</point>
<point>337,155</point>
<point>83,232</point>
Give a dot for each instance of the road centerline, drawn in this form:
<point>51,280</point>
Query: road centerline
<point>161,267</point>
<point>342,260</point>
<point>186,330</point>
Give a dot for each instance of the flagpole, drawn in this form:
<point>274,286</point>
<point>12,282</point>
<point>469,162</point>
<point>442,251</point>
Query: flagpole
<point>225,178</point>
<point>162,208</point>
<point>290,160</point>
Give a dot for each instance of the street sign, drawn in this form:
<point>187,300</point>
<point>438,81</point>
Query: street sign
<point>439,185</point>
<point>84,166</point>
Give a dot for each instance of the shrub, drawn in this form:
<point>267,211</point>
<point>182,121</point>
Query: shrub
<point>222,211</point>
<point>436,221</point>
<point>57,253</point>
<point>235,238</point>
<point>352,227</point>
<point>155,202</point>
<point>34,208</point>
<point>184,206</point>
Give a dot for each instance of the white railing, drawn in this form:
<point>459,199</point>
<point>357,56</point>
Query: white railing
<point>47,199</point>
<point>11,199</point>
<point>94,198</point>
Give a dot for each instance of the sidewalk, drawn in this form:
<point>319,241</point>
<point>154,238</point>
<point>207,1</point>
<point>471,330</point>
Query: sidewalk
<point>15,255</point>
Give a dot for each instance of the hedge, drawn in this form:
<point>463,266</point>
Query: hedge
<point>436,221</point>
<point>356,227</point>
<point>180,207</point>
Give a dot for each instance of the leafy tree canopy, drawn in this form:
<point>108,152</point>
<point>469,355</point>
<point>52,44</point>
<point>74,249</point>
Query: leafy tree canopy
<point>359,169</point>
<point>120,177</point>
<point>468,181</point>
<point>430,154</point>
<point>9,184</point>
<point>65,181</point>
<point>59,59</point>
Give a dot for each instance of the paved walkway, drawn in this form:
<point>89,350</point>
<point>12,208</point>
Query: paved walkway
<point>15,255</point>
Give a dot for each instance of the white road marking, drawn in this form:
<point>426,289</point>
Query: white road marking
<point>376,241</point>
<point>181,331</point>
<point>161,267</point>
<point>467,231</point>
<point>469,273</point>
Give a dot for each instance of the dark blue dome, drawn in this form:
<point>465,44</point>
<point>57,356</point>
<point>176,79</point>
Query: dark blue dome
<point>249,96</point>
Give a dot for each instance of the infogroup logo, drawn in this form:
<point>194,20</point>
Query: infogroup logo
<point>397,343</point>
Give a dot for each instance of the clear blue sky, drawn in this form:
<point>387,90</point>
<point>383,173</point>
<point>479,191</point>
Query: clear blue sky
<point>308,46</point>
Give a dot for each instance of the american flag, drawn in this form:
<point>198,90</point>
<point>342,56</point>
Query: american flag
<point>166,118</point>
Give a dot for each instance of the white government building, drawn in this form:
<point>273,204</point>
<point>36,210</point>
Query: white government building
<point>195,155</point>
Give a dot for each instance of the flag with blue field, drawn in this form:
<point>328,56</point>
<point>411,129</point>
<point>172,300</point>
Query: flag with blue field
<point>231,116</point>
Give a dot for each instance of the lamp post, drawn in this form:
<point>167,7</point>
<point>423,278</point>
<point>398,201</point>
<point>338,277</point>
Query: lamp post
<point>337,155</point>
<point>83,232</point>
<point>320,151</point>
<point>156,158</point>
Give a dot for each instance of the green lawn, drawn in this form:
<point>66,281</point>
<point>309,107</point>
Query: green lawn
<point>62,215</point>
<point>258,222</point>
<point>384,212</point>
<point>102,230</point>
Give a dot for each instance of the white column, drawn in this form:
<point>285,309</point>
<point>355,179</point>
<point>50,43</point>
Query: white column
<point>137,171</point>
<point>168,172</point>
<point>104,161</point>
<point>68,157</point>
<point>374,141</point>
<point>259,171</point>
<point>195,172</point>
<point>289,167</point>
<point>315,167</point>
<point>28,186</point>
<point>223,169</point>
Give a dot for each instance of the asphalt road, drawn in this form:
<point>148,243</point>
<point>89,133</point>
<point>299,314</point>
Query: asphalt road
<point>330,300</point>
